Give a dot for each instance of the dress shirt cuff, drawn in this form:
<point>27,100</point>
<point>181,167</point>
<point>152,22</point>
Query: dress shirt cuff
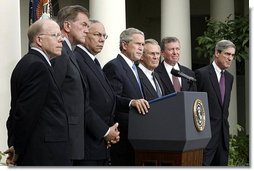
<point>107,132</point>
<point>130,103</point>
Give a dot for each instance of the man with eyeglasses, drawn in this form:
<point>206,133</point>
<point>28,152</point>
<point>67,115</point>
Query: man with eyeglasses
<point>37,125</point>
<point>217,82</point>
<point>74,24</point>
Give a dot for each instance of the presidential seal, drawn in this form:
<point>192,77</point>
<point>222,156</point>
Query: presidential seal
<point>199,115</point>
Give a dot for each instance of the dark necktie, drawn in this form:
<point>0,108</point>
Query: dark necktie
<point>176,83</point>
<point>98,66</point>
<point>222,86</point>
<point>158,90</point>
<point>97,63</point>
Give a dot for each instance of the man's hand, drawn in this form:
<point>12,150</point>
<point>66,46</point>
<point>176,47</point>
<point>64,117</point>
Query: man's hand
<point>141,105</point>
<point>113,136</point>
<point>12,157</point>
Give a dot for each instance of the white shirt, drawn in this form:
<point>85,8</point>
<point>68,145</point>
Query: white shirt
<point>68,43</point>
<point>129,62</point>
<point>89,54</point>
<point>43,54</point>
<point>217,70</point>
<point>169,68</point>
<point>148,74</point>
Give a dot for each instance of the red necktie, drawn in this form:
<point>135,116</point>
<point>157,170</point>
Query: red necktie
<point>176,83</point>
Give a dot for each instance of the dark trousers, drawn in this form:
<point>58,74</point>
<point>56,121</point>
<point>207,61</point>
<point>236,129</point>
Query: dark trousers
<point>217,156</point>
<point>122,153</point>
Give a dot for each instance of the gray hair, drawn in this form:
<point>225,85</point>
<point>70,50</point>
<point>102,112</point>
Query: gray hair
<point>126,35</point>
<point>151,41</point>
<point>92,21</point>
<point>224,44</point>
<point>36,28</point>
<point>167,40</point>
<point>69,13</point>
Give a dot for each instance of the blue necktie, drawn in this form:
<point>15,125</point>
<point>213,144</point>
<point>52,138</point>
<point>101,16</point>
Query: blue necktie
<point>137,78</point>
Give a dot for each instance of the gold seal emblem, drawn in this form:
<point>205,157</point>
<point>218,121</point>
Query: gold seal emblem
<point>199,115</point>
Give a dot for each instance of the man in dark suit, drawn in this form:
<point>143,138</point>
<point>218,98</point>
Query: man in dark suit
<point>217,82</point>
<point>102,98</point>
<point>170,50</point>
<point>74,23</point>
<point>123,77</point>
<point>150,81</point>
<point>37,125</point>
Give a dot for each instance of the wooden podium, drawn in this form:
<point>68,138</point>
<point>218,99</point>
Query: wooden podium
<point>173,132</point>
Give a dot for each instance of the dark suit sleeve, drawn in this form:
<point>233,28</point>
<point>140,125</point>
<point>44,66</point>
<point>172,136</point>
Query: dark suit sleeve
<point>33,92</point>
<point>188,85</point>
<point>122,103</point>
<point>199,83</point>
<point>95,125</point>
<point>114,77</point>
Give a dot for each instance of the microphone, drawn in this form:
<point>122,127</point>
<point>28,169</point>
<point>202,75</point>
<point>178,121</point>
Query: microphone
<point>183,75</point>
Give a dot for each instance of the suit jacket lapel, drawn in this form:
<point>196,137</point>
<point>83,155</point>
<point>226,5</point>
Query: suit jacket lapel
<point>159,82</point>
<point>130,75</point>
<point>185,84</point>
<point>51,71</point>
<point>90,63</point>
<point>146,83</point>
<point>71,55</point>
<point>165,77</point>
<point>227,87</point>
<point>214,82</point>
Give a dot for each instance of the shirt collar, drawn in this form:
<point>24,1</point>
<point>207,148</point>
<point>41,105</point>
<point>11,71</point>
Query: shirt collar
<point>127,60</point>
<point>217,69</point>
<point>43,54</point>
<point>144,69</point>
<point>68,43</point>
<point>89,54</point>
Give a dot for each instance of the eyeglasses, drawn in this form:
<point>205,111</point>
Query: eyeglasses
<point>55,35</point>
<point>99,35</point>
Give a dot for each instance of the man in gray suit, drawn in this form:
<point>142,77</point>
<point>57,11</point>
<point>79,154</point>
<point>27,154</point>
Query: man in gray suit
<point>74,24</point>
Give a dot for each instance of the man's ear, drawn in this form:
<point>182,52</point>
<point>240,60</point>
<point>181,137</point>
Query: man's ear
<point>67,26</point>
<point>38,40</point>
<point>217,53</point>
<point>124,45</point>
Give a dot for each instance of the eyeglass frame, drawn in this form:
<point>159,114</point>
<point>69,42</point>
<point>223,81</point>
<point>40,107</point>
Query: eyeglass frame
<point>55,35</point>
<point>100,35</point>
